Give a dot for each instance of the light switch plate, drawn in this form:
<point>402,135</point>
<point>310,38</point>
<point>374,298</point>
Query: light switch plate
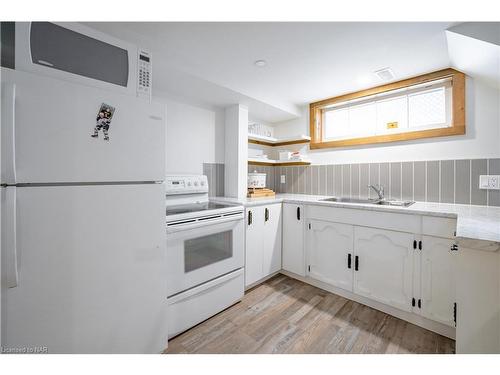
<point>490,182</point>
<point>283,179</point>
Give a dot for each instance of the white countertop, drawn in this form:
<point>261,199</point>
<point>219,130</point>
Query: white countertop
<point>474,223</point>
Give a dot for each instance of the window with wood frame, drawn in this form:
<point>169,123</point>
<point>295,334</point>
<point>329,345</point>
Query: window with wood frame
<point>430,105</point>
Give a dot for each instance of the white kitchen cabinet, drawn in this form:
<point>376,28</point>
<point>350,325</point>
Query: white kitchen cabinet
<point>263,242</point>
<point>383,266</point>
<point>293,239</point>
<point>272,239</point>
<point>438,262</point>
<point>254,254</point>
<point>330,253</point>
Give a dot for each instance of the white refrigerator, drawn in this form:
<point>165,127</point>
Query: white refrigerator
<point>83,220</point>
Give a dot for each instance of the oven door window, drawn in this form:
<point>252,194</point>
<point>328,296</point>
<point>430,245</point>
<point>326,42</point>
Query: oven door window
<point>203,251</point>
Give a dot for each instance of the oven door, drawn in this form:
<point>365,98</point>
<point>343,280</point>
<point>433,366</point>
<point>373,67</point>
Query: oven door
<point>201,251</point>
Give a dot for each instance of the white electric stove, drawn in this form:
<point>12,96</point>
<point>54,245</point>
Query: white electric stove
<point>205,252</point>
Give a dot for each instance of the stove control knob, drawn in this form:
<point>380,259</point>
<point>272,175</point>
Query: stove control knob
<point>196,183</point>
<point>202,183</point>
<point>189,183</point>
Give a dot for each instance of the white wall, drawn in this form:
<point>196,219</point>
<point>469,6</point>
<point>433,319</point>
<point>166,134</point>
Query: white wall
<point>480,141</point>
<point>195,135</point>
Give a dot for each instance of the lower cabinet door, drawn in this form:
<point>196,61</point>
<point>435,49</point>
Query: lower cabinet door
<point>254,252</point>
<point>293,239</point>
<point>383,266</point>
<point>272,239</point>
<point>330,253</point>
<point>438,279</point>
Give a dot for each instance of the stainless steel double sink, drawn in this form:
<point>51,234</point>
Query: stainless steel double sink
<point>379,202</point>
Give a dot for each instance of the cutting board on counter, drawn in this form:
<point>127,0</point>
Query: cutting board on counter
<point>258,193</point>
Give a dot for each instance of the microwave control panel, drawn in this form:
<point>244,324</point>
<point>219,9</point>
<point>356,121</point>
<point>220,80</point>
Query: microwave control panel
<point>144,74</point>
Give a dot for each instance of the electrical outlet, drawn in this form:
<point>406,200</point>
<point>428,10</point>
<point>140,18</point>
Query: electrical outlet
<point>283,179</point>
<point>490,182</point>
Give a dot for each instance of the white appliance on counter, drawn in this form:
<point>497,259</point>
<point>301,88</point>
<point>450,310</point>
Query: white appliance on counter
<point>205,253</point>
<point>83,220</point>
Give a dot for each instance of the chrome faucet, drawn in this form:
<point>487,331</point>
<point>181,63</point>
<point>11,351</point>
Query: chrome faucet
<point>379,190</point>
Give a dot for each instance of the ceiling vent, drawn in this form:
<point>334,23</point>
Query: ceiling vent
<point>385,74</point>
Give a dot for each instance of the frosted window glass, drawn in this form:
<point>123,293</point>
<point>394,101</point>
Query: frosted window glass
<point>337,123</point>
<point>427,108</point>
<point>392,110</point>
<point>362,119</point>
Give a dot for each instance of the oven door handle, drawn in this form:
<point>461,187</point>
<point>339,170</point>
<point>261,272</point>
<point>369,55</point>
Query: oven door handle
<point>187,225</point>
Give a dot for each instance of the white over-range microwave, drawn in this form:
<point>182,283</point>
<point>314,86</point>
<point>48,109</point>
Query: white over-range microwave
<point>77,53</point>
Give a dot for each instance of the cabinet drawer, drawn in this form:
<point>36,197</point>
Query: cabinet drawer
<point>367,218</point>
<point>439,226</point>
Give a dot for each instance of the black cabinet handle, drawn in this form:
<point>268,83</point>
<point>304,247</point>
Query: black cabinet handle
<point>454,247</point>
<point>249,217</point>
<point>419,303</point>
<point>266,215</point>
<point>413,302</point>
<point>298,213</point>
<point>349,261</point>
<point>356,263</point>
<point>420,245</point>
<point>414,244</point>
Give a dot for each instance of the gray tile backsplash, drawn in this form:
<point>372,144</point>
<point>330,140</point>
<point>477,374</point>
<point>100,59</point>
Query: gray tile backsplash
<point>395,184</point>
<point>478,196</point>
<point>432,181</point>
<point>446,181</point>
<point>447,192</point>
<point>215,176</point>
<point>419,181</point>
<point>407,181</point>
<point>494,195</point>
<point>462,181</point>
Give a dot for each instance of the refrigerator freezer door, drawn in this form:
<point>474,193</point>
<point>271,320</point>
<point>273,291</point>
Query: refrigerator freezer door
<point>54,121</point>
<point>8,237</point>
<point>92,270</point>
<point>7,147</point>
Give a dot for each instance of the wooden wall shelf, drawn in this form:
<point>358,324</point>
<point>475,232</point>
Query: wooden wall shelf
<point>277,163</point>
<point>271,141</point>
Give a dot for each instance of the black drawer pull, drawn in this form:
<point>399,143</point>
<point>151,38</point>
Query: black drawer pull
<point>266,215</point>
<point>249,217</point>
<point>349,261</point>
<point>298,213</point>
<point>356,263</point>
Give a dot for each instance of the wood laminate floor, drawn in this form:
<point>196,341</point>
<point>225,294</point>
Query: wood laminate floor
<point>284,315</point>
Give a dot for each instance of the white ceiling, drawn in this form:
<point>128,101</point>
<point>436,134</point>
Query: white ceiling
<point>213,62</point>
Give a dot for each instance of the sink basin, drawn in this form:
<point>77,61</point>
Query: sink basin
<point>384,202</point>
<point>351,200</point>
<point>395,203</point>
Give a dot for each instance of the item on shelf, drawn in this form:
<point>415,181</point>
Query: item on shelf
<point>256,180</point>
<point>255,153</point>
<point>260,193</point>
<point>285,155</point>
<point>295,156</point>
<point>260,129</point>
<point>263,157</point>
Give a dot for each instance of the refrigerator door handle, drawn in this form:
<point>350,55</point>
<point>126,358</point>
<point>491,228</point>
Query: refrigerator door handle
<point>9,242</point>
<point>8,134</point>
